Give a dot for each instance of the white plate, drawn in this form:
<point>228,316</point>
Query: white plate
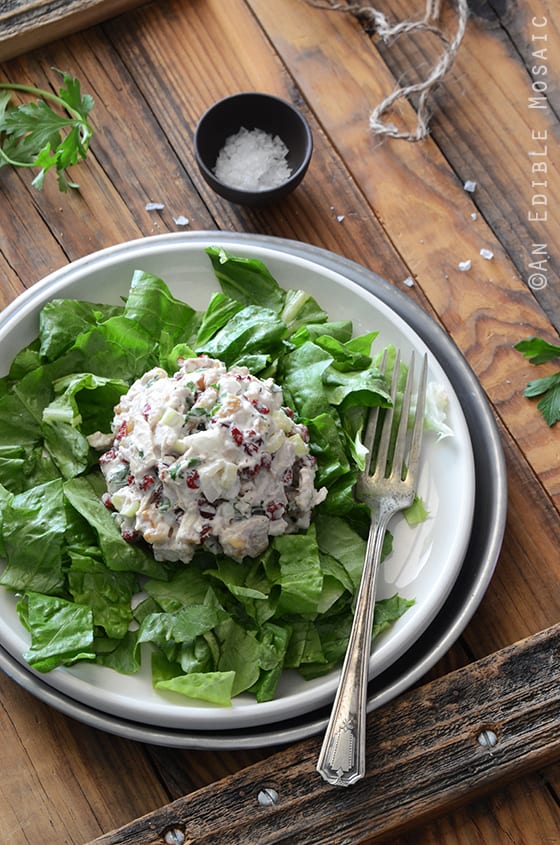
<point>426,560</point>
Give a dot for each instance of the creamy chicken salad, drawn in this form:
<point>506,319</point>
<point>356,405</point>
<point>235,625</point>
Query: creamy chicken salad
<point>208,457</point>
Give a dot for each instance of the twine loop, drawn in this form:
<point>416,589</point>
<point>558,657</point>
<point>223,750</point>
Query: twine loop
<point>388,32</point>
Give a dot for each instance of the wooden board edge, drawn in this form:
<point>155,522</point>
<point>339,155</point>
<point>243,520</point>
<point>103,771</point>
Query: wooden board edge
<point>35,27</point>
<point>430,751</point>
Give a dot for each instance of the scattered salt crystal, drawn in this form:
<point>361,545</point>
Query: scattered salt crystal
<point>154,206</point>
<point>181,220</point>
<point>487,254</point>
<point>409,281</point>
<point>253,160</point>
<point>474,215</point>
<point>464,265</point>
<point>470,186</point>
<point>340,217</point>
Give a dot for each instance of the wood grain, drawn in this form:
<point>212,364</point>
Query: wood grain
<point>27,24</point>
<point>425,209</point>
<point>69,769</point>
<point>515,101</point>
<point>399,210</point>
<point>426,752</point>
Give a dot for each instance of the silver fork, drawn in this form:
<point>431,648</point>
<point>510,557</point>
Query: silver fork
<point>386,489</point>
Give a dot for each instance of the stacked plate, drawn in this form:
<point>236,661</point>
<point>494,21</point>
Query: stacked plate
<point>445,564</point>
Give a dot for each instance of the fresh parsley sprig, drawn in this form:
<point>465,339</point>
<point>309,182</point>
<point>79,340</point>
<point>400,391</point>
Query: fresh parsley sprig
<point>36,135</point>
<point>538,351</point>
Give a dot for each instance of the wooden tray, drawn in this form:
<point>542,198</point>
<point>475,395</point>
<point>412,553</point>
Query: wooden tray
<point>26,24</point>
<point>438,746</point>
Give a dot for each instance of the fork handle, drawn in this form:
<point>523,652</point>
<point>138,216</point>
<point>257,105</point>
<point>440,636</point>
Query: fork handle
<point>342,759</point>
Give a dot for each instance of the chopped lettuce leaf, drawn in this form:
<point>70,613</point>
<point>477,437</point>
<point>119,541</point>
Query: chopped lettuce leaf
<point>61,631</point>
<point>33,527</point>
<point>417,512</point>
<point>119,555</point>
<point>215,687</point>
<point>437,401</point>
<point>107,593</point>
<point>301,587</point>
<point>246,280</point>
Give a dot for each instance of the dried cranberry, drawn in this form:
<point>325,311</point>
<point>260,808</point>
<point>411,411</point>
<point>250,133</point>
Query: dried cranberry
<point>146,410</point>
<point>192,479</point>
<point>107,501</point>
<point>246,473</point>
<point>122,430</point>
<point>205,531</point>
<point>275,509</point>
<point>251,447</point>
<point>206,509</point>
<point>129,535</point>
<point>146,482</point>
<point>288,411</point>
<point>107,457</point>
<point>266,460</point>
<point>130,480</point>
<point>260,407</point>
<point>288,476</point>
<point>237,435</point>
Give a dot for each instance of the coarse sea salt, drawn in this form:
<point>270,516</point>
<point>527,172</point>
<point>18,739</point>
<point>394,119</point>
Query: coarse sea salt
<point>253,160</point>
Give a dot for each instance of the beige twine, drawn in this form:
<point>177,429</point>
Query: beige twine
<point>387,32</point>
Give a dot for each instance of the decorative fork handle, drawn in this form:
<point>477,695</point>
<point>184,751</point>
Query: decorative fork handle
<point>342,759</point>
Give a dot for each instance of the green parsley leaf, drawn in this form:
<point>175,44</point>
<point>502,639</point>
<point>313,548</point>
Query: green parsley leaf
<point>35,135</point>
<point>549,388</point>
<point>539,351</point>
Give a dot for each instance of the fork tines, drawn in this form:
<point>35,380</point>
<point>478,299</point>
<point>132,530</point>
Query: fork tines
<point>381,462</point>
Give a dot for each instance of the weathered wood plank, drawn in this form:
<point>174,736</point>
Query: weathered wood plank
<point>130,164</point>
<point>70,770</point>
<point>428,751</point>
<point>199,58</point>
<point>505,816</point>
<point>26,24</point>
<point>421,201</point>
<point>328,208</point>
<point>508,113</point>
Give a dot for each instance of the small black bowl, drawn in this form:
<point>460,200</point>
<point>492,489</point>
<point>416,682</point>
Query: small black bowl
<point>253,110</point>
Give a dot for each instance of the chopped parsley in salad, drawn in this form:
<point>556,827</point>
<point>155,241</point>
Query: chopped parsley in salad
<point>110,545</point>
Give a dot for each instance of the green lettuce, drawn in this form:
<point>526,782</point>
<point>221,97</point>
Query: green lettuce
<point>216,627</point>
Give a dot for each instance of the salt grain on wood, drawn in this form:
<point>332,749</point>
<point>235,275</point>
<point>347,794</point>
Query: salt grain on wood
<point>253,160</point>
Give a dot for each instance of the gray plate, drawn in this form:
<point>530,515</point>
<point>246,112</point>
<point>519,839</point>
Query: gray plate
<point>472,582</point>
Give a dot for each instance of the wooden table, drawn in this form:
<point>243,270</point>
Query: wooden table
<point>401,210</point>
